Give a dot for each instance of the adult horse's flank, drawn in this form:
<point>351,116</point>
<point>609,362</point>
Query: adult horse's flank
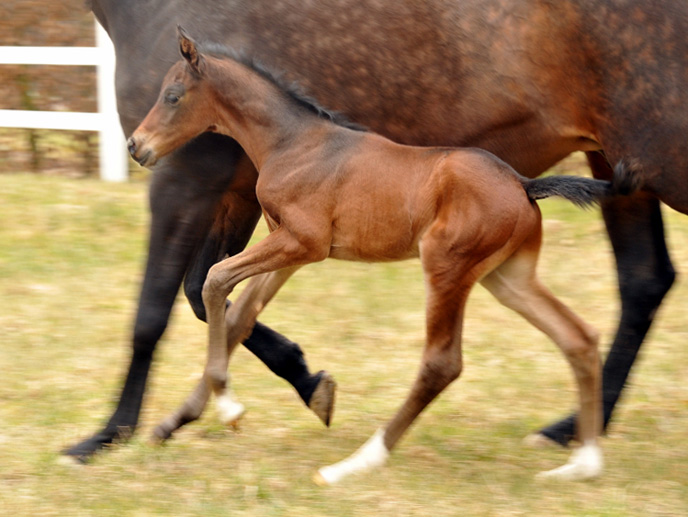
<point>529,80</point>
<point>331,191</point>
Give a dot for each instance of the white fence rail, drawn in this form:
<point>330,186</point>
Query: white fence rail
<point>113,159</point>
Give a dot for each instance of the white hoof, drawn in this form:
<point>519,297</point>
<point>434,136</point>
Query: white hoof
<point>229,410</point>
<point>584,463</point>
<point>371,455</point>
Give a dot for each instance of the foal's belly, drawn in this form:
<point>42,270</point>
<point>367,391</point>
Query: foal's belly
<point>356,253</point>
<point>374,236</point>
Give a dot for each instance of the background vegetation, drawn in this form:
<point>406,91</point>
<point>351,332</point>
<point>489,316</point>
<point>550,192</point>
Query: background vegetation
<point>70,266</point>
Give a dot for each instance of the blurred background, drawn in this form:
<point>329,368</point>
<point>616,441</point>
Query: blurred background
<point>49,88</point>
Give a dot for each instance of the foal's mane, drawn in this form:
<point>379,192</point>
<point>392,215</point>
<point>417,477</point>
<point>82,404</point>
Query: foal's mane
<point>293,90</point>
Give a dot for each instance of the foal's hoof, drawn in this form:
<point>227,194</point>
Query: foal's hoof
<point>230,411</point>
<point>159,436</point>
<point>585,463</point>
<point>323,397</point>
<point>164,430</point>
<point>319,480</point>
<point>540,441</point>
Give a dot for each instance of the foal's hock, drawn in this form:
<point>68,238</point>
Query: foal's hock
<point>328,190</point>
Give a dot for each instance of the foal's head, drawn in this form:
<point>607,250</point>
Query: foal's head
<point>184,109</point>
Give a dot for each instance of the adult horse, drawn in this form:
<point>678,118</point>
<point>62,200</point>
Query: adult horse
<point>529,80</point>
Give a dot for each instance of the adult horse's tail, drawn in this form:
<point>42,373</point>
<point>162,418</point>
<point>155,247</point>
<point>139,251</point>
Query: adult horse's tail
<point>583,192</point>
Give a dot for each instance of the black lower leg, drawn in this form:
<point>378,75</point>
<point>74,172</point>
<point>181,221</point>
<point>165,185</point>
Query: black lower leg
<point>284,358</point>
<point>123,421</point>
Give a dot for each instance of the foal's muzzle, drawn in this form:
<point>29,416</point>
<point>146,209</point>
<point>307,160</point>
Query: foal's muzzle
<point>145,157</point>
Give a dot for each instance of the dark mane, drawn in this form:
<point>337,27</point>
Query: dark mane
<point>293,90</point>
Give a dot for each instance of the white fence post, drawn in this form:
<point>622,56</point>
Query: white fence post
<point>113,158</point>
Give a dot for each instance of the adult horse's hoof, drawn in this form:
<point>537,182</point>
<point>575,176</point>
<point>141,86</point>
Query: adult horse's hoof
<point>323,398</point>
<point>83,451</point>
<point>540,441</point>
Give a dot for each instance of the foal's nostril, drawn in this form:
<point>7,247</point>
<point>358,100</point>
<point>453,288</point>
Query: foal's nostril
<point>131,146</point>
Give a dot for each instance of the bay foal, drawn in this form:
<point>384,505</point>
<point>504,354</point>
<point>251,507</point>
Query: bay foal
<point>332,191</point>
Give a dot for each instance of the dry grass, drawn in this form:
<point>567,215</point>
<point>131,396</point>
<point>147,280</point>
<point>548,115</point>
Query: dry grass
<point>70,266</point>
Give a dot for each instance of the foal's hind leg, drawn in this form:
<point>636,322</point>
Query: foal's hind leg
<point>516,285</point>
<point>240,319</point>
<point>645,274</point>
<point>441,364</point>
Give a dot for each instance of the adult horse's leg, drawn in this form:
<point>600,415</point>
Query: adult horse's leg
<point>180,217</point>
<point>645,275</point>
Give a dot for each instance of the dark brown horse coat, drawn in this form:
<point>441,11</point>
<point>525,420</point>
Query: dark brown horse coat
<point>529,80</point>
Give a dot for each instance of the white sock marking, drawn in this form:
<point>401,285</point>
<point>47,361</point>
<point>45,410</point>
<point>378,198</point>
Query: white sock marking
<point>372,454</point>
<point>585,463</point>
<point>228,409</point>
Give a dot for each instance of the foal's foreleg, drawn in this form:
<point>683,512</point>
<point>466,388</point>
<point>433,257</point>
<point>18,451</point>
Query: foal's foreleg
<point>281,253</point>
<point>278,251</point>
<point>240,319</point>
<point>515,285</point>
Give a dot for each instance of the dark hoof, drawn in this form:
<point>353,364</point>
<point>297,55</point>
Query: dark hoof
<point>82,453</point>
<point>323,398</point>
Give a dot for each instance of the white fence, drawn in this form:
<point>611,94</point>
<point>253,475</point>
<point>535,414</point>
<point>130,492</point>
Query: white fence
<point>113,159</point>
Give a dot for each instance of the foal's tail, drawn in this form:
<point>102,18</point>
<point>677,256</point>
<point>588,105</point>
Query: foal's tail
<point>583,192</point>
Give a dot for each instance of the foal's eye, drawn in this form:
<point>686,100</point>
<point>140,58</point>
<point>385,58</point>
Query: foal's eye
<point>171,99</point>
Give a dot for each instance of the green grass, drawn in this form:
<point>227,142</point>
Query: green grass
<point>71,257</point>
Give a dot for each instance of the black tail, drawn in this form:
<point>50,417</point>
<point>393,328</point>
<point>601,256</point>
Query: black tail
<point>583,192</point>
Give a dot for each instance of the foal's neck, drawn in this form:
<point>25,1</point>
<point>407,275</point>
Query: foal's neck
<point>257,113</point>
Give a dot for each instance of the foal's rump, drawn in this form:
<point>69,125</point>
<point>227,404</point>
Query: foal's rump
<point>493,209</point>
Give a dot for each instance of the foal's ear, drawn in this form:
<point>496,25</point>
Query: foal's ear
<point>188,50</point>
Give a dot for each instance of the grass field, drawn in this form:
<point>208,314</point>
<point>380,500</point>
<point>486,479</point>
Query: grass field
<point>71,257</point>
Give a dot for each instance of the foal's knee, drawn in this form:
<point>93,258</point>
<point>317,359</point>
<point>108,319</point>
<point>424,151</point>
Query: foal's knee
<point>214,287</point>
